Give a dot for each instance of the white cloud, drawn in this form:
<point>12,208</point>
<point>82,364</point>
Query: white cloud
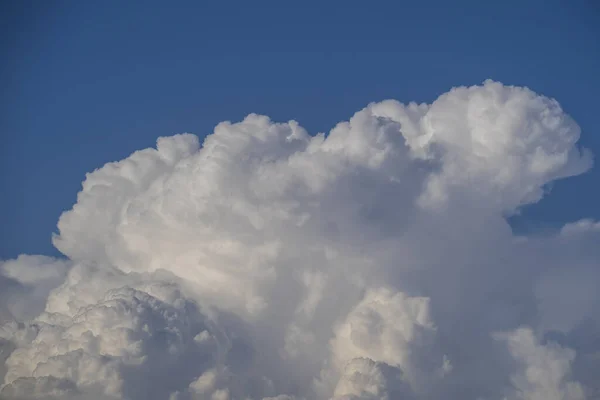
<point>112,343</point>
<point>374,262</point>
<point>543,373</point>
<point>26,283</point>
<point>385,327</point>
<point>582,226</point>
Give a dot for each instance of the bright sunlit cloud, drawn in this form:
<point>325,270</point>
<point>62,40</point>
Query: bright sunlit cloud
<point>373,262</point>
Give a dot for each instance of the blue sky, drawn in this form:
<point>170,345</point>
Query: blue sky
<point>85,83</point>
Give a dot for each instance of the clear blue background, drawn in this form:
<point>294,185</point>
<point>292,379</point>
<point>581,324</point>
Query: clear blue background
<point>87,82</point>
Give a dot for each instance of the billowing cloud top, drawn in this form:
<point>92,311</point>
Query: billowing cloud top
<point>374,262</point>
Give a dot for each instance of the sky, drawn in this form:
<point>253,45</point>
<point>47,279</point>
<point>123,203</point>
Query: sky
<point>271,201</point>
<point>87,83</point>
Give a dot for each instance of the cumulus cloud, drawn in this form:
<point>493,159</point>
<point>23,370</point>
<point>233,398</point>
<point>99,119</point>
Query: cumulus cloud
<point>544,369</point>
<point>365,379</point>
<point>371,262</point>
<point>26,283</point>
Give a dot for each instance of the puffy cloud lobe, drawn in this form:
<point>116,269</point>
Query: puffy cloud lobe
<point>365,379</point>
<point>582,226</point>
<point>507,141</point>
<point>107,190</point>
<point>544,369</point>
<point>373,262</point>
<point>387,328</point>
<point>26,283</point>
<point>108,346</point>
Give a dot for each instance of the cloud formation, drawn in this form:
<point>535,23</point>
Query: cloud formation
<point>373,262</point>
